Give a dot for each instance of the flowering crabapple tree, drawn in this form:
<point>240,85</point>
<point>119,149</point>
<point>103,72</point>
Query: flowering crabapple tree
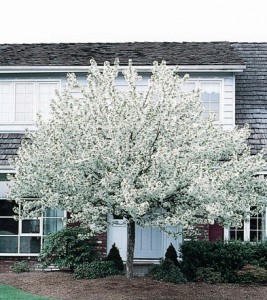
<point>150,157</point>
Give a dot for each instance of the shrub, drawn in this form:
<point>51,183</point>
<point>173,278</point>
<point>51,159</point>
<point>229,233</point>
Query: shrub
<point>68,248</point>
<point>95,269</point>
<point>166,271</point>
<point>225,258</point>
<point>172,255</point>
<point>230,257</point>
<point>20,267</point>
<point>114,255</point>
<point>208,275</point>
<point>195,254</point>
<point>252,274</point>
<point>259,256</point>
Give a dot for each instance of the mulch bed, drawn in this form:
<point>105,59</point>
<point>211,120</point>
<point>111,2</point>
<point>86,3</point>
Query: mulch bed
<point>61,285</point>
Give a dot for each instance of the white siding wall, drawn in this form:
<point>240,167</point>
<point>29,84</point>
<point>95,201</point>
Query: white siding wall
<point>227,106</point>
<point>229,102</point>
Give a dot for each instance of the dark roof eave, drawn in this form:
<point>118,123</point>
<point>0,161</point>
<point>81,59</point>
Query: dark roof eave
<point>142,53</point>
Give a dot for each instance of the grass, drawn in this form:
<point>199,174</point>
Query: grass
<point>8,292</point>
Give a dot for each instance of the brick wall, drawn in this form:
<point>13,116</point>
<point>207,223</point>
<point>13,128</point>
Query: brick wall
<point>215,232</point>
<point>102,244</point>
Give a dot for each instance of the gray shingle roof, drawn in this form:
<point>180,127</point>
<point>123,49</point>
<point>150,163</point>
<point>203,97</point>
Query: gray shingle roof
<point>9,144</point>
<point>142,53</point>
<point>251,85</point>
<point>251,92</point>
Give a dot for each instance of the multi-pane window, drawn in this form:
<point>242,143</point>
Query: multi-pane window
<point>256,226</point>
<point>24,101</point>
<point>9,228</point>
<point>211,95</point>
<point>5,100</point>
<point>237,233</point>
<point>20,101</point>
<point>52,220</point>
<point>253,229</point>
<point>46,92</point>
<point>24,236</point>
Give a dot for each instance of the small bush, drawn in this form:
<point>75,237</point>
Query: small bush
<point>252,274</point>
<point>230,257</point>
<point>225,258</point>
<point>208,275</point>
<point>166,271</point>
<point>20,267</point>
<point>259,256</point>
<point>95,269</point>
<point>195,254</point>
<point>114,255</point>
<point>68,248</point>
<point>172,255</point>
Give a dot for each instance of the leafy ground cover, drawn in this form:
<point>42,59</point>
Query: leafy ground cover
<point>10,293</point>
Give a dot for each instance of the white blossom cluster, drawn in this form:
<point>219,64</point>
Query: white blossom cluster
<point>148,156</point>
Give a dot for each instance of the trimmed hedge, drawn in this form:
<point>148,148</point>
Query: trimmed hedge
<point>195,254</point>
<point>96,269</point>
<point>226,259</point>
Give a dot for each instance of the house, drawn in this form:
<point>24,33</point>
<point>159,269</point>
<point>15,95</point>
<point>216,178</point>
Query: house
<point>232,77</point>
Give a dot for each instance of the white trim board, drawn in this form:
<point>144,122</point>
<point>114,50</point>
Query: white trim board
<point>82,69</point>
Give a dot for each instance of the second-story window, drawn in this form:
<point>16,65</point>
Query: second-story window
<point>24,101</point>
<point>211,95</point>
<point>20,101</point>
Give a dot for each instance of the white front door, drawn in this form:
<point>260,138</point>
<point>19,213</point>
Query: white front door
<point>150,242</point>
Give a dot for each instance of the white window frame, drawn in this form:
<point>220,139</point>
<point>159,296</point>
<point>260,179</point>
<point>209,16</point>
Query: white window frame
<point>14,125</point>
<point>212,80</point>
<point>41,234</point>
<point>247,229</point>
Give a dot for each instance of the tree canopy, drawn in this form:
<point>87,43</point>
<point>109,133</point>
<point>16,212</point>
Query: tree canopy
<point>151,157</point>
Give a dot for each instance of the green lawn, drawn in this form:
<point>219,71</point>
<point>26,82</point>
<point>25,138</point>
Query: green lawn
<point>8,292</point>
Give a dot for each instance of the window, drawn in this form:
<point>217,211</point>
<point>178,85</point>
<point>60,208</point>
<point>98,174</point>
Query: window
<point>52,220</point>
<point>25,236</point>
<point>5,100</point>
<point>256,227</point>
<point>211,95</point>
<point>20,101</point>
<point>252,230</point>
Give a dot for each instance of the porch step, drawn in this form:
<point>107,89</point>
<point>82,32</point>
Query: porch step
<point>38,267</point>
<point>141,269</point>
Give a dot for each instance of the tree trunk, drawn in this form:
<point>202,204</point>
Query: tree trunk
<point>130,248</point>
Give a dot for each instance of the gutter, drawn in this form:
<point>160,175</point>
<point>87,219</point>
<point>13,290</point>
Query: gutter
<point>84,69</point>
<point>6,169</point>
